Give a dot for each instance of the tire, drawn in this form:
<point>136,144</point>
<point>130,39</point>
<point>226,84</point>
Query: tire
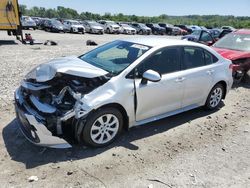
<point>215,97</point>
<point>140,32</point>
<point>108,31</point>
<point>71,30</point>
<point>97,130</point>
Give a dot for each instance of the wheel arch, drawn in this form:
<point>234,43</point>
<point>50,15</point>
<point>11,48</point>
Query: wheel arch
<point>121,109</point>
<point>224,84</point>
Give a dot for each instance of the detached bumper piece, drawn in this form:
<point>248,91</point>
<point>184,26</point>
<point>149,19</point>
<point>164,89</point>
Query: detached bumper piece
<point>33,125</point>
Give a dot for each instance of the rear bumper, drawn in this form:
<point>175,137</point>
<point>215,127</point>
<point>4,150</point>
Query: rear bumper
<point>33,128</point>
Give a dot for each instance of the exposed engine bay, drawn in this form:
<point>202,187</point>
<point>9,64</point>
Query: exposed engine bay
<point>58,100</point>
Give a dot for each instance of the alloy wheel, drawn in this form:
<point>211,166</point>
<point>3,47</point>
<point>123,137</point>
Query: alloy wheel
<point>104,129</point>
<point>216,97</point>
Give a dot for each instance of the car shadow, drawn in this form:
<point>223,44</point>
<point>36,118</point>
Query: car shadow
<point>8,42</point>
<point>241,84</point>
<point>23,151</point>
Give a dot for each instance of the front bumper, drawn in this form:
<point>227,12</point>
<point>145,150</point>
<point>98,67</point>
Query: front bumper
<point>32,126</point>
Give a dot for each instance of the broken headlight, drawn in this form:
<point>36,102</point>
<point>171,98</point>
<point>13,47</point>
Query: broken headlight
<point>41,73</point>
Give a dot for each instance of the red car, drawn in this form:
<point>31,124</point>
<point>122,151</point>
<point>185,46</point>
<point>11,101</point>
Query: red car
<point>236,47</point>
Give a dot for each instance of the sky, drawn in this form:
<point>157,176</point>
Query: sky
<point>150,7</point>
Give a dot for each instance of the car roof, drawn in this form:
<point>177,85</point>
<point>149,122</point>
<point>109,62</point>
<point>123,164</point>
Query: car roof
<point>242,31</point>
<point>159,41</point>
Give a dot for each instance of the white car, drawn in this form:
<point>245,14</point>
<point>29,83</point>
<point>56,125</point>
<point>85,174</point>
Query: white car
<point>74,26</point>
<point>127,29</point>
<point>119,85</point>
<point>110,27</point>
<point>28,22</point>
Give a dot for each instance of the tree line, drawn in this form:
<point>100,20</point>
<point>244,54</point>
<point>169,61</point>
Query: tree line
<point>202,20</point>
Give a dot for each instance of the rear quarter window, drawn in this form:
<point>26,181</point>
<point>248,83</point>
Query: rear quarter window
<point>209,58</point>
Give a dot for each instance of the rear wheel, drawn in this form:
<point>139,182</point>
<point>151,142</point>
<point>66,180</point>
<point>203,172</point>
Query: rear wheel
<point>215,97</point>
<point>102,127</point>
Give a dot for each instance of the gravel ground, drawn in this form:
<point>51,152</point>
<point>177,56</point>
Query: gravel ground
<point>192,149</point>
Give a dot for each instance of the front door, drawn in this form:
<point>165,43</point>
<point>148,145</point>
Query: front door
<point>157,98</point>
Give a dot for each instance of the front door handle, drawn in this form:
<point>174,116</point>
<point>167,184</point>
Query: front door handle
<point>181,79</point>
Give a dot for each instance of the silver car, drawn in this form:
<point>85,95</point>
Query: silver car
<point>93,27</point>
<point>119,85</point>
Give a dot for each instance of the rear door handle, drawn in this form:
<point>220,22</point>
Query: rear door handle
<point>181,79</point>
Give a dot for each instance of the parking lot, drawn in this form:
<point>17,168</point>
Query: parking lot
<point>192,149</point>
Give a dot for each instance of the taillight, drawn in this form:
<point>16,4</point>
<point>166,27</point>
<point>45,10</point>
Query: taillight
<point>234,67</point>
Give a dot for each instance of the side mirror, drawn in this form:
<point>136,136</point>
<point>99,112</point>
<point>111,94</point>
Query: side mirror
<point>150,75</point>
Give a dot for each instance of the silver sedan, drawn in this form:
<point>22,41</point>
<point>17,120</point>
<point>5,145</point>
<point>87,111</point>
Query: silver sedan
<point>119,85</point>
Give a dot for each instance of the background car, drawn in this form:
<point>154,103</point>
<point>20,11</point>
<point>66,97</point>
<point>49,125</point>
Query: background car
<point>28,23</point>
<point>177,31</point>
<point>186,28</point>
<point>141,28</point>
<point>224,32</point>
<point>215,32</point>
<point>228,28</point>
<point>110,26</point>
<point>236,47</point>
<point>127,29</point>
<point>93,27</point>
<point>156,29</point>
<point>201,36</point>
<point>74,26</point>
<point>168,27</point>
<point>53,25</point>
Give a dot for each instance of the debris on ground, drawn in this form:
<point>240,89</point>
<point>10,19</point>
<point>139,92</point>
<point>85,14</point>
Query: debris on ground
<point>33,178</point>
<point>91,43</point>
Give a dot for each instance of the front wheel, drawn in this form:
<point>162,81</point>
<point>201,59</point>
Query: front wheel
<point>102,127</point>
<point>215,97</point>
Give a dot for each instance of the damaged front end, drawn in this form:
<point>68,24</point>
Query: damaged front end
<point>45,108</point>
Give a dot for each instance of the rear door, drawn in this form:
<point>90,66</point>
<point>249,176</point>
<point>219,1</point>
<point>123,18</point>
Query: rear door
<point>198,75</point>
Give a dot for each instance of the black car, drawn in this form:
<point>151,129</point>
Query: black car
<point>41,23</point>
<point>156,29</point>
<point>54,26</point>
<point>168,27</point>
<point>188,29</point>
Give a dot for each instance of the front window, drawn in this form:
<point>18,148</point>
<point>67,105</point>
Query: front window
<point>114,57</point>
<point>56,23</point>
<point>234,41</point>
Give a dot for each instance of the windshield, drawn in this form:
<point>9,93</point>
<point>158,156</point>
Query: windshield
<point>114,57</point>
<point>56,22</point>
<point>125,25</point>
<point>94,23</point>
<point>74,23</point>
<point>142,25</point>
<point>196,32</point>
<point>234,41</point>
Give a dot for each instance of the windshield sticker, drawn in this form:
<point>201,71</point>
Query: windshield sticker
<point>141,47</point>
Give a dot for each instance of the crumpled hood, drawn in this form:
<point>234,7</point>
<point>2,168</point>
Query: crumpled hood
<point>68,65</point>
<point>232,54</point>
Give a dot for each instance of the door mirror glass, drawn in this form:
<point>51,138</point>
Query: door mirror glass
<point>151,75</point>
